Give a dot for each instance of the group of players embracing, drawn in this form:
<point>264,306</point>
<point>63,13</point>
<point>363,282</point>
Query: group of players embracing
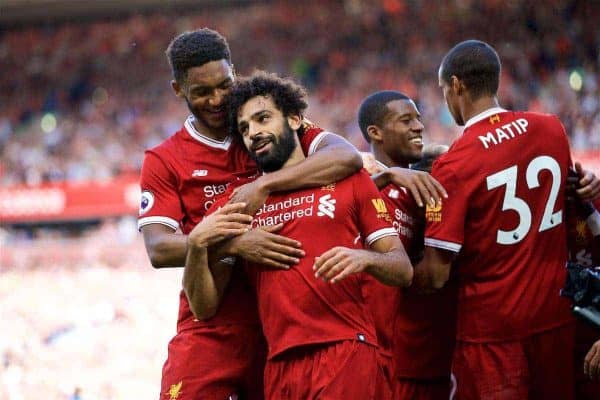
<point>305,277</point>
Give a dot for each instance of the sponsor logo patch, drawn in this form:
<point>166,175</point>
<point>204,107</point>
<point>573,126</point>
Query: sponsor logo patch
<point>433,213</point>
<point>147,201</point>
<point>381,209</point>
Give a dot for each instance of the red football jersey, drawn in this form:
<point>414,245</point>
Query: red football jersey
<point>504,215</point>
<point>295,307</point>
<point>180,180</point>
<point>424,329</point>
<point>384,300</point>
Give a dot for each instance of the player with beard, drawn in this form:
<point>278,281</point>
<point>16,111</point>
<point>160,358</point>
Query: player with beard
<point>502,229</point>
<point>321,339</point>
<point>180,179</point>
<point>415,332</point>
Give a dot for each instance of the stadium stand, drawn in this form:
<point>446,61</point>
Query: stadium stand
<point>82,98</point>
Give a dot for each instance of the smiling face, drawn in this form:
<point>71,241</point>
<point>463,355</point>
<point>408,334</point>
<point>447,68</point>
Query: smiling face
<point>268,135</point>
<point>401,134</point>
<point>204,91</point>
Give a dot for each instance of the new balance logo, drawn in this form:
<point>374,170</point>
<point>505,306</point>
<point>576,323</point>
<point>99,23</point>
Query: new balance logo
<point>200,172</point>
<point>394,194</point>
<point>326,206</point>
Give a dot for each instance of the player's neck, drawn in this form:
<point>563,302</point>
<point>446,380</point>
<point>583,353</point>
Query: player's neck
<point>219,134</point>
<point>476,107</point>
<point>385,159</point>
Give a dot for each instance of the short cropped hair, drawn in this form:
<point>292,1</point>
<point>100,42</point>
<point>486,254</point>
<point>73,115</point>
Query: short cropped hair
<point>476,64</point>
<point>194,49</point>
<point>288,96</point>
<point>373,109</point>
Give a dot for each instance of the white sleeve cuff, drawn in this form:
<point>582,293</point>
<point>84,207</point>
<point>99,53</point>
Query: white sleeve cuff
<point>375,236</point>
<point>170,222</point>
<point>442,244</point>
<point>316,141</point>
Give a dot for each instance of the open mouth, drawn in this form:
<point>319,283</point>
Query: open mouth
<point>261,146</point>
<point>417,141</point>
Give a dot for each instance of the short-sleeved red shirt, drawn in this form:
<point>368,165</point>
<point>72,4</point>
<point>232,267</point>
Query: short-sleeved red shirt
<point>504,216</point>
<point>425,325</point>
<point>180,180</point>
<point>296,308</point>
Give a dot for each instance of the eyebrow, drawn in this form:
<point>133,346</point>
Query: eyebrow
<point>200,86</point>
<point>255,115</point>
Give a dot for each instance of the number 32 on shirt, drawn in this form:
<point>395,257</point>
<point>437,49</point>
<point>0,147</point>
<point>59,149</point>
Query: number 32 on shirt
<point>508,177</point>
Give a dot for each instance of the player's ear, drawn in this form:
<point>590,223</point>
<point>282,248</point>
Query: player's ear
<point>294,121</point>
<point>177,88</point>
<point>456,85</point>
<point>375,134</point>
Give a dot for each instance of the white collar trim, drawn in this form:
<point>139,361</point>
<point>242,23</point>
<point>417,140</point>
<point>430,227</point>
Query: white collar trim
<point>191,129</point>
<point>487,113</point>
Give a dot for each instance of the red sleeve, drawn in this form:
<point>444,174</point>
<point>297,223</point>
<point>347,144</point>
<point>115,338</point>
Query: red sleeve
<point>310,140</point>
<point>444,225</point>
<point>160,202</point>
<point>374,221</point>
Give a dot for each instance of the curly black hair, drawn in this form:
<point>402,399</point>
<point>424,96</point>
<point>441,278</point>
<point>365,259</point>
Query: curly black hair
<point>288,96</point>
<point>477,64</point>
<point>194,49</point>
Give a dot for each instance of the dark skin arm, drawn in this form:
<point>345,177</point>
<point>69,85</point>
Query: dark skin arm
<point>433,271</point>
<point>423,187</point>
<point>204,286</point>
<point>585,183</point>
<point>165,248</point>
<point>333,160</point>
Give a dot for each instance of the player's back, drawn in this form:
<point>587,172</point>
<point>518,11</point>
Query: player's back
<point>512,170</point>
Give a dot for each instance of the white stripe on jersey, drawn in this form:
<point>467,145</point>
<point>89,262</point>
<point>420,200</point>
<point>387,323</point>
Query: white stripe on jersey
<point>170,222</point>
<point>442,244</point>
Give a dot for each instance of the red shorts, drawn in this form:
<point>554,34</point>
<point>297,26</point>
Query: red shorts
<point>537,367</point>
<point>426,389</point>
<point>215,362</point>
<point>585,336</point>
<point>333,371</point>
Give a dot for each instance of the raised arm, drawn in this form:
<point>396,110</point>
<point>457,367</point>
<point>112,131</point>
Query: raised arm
<point>334,159</point>
<point>386,261</point>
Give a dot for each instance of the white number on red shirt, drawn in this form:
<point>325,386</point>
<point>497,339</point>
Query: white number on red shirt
<point>508,178</point>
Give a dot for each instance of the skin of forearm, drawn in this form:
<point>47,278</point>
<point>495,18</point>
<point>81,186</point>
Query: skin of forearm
<point>167,250</point>
<point>199,285</point>
<point>391,268</point>
<point>382,179</point>
<point>433,271</point>
<point>321,168</point>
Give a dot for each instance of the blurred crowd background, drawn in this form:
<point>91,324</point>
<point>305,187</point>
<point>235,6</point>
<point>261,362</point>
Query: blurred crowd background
<point>84,315</point>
